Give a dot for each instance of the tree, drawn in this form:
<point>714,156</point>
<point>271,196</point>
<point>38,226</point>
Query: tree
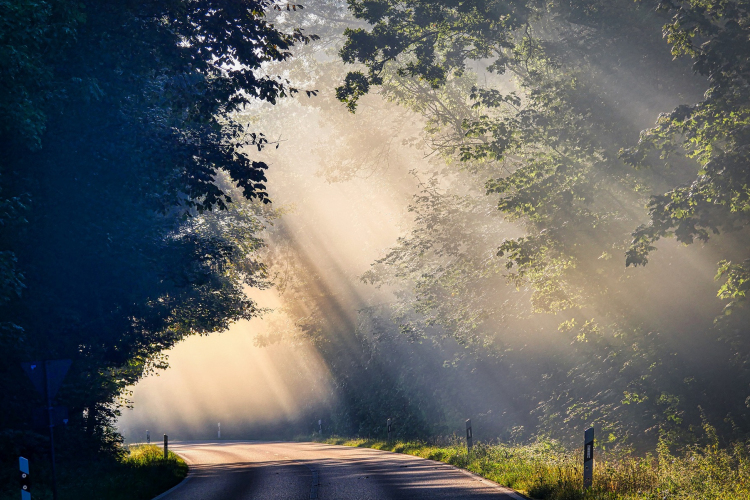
<point>713,132</point>
<point>120,162</point>
<point>554,153</point>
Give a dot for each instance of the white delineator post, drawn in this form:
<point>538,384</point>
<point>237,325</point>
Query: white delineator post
<point>218,434</point>
<point>166,446</point>
<point>23,465</point>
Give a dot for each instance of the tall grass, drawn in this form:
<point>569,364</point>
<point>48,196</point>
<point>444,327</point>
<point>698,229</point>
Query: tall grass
<point>547,471</point>
<point>146,474</point>
<point>141,474</point>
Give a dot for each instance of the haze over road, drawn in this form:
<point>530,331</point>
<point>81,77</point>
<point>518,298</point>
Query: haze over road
<point>243,470</point>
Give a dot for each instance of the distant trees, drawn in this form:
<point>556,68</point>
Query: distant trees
<point>118,161</point>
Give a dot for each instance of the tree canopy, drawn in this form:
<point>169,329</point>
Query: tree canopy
<point>120,163</point>
<point>563,140</point>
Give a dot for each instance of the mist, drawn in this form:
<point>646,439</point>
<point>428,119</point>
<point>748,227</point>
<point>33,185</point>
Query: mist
<point>263,377</point>
<point>399,293</point>
<point>303,221</point>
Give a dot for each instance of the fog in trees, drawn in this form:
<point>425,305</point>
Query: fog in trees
<point>470,242</point>
<point>530,214</point>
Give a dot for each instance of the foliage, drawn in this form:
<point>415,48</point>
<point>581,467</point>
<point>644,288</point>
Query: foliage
<point>552,142</point>
<point>440,36</point>
<point>714,132</point>
<point>120,164</point>
<point>510,300</point>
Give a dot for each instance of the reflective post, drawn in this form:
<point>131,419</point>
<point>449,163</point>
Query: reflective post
<point>588,458</point>
<point>389,425</point>
<point>23,465</point>
<point>469,437</point>
<point>166,446</point>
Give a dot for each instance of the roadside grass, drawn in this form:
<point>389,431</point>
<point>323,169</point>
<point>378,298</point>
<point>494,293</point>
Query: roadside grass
<point>547,471</point>
<point>141,473</point>
<point>145,474</point>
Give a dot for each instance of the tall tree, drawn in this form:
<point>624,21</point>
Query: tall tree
<point>119,161</point>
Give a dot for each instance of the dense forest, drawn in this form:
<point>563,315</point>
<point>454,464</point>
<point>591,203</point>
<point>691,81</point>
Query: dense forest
<point>574,176</point>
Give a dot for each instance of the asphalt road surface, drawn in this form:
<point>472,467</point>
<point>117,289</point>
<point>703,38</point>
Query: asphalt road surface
<point>244,470</point>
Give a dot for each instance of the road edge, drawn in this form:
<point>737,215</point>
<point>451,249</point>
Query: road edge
<point>515,495</point>
<point>505,489</point>
<point>178,485</point>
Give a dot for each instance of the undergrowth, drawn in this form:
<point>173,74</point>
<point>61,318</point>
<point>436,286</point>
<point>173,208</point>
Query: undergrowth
<point>545,470</point>
<point>138,473</point>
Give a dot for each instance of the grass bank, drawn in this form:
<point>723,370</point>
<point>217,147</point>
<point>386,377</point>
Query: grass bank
<point>546,471</point>
<point>140,473</point>
<point>144,474</point>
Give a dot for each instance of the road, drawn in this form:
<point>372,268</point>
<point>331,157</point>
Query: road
<point>244,470</point>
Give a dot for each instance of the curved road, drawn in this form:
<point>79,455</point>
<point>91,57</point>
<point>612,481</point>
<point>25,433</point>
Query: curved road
<point>244,470</point>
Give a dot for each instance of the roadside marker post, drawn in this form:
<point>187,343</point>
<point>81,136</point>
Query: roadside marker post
<point>23,465</point>
<point>166,446</point>
<point>320,427</point>
<point>588,458</point>
<point>469,436</point>
<point>47,377</point>
<point>218,434</point>
<point>389,425</point>
<point>148,437</point>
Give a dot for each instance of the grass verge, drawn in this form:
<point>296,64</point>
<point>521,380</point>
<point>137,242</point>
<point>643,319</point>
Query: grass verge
<point>546,471</point>
<point>145,474</point>
<point>140,473</point>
